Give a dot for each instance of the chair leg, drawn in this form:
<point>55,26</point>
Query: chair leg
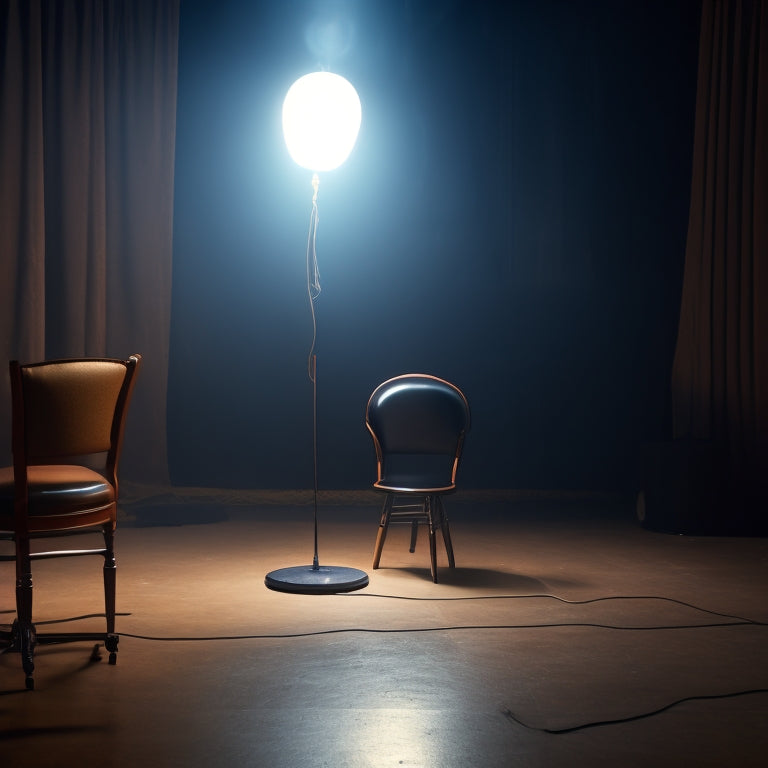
<point>429,502</point>
<point>414,534</point>
<point>24,627</point>
<point>386,512</point>
<point>446,533</point>
<point>110,574</point>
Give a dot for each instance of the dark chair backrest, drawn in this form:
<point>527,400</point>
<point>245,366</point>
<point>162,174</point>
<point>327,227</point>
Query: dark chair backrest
<point>418,415</point>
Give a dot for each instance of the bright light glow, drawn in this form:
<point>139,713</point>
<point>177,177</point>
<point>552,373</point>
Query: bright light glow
<point>321,120</point>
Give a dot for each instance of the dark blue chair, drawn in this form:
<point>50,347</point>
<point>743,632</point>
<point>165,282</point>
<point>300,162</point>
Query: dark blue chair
<point>418,423</point>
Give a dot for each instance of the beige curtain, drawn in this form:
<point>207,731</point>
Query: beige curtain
<point>87,130</point>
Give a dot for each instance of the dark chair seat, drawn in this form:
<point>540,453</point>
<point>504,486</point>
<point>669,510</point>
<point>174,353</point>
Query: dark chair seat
<point>56,490</point>
<point>404,482</point>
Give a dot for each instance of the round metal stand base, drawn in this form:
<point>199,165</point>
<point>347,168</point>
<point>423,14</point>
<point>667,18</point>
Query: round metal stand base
<point>320,580</point>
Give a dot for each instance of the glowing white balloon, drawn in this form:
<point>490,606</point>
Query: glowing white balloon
<point>321,120</point>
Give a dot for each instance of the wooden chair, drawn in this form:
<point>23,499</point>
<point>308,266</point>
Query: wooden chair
<point>418,423</point>
<point>68,421</point>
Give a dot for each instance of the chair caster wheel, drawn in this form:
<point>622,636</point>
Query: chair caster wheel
<point>30,683</point>
<point>113,658</point>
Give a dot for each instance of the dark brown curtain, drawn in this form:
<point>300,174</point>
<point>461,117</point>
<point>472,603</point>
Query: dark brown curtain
<point>720,372</point>
<point>87,131</point>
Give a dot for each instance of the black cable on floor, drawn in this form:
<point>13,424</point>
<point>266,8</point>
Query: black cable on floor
<point>449,628</point>
<point>561,600</point>
<point>738,621</point>
<point>76,618</point>
<point>560,731</point>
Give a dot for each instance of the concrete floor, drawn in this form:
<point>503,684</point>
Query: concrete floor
<point>216,670</point>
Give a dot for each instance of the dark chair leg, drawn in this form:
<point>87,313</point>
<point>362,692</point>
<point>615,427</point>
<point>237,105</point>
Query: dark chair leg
<point>110,574</point>
<point>27,641</point>
<point>383,526</point>
<point>25,628</point>
<point>430,501</point>
<point>446,533</point>
<point>414,534</point>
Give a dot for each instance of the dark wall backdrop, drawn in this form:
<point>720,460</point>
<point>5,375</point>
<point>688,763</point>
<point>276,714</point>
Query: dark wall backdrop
<point>513,218</point>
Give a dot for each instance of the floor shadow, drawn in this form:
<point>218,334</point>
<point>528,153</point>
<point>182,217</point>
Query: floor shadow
<point>83,649</point>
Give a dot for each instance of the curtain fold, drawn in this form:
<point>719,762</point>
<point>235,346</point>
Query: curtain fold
<point>22,224</point>
<point>720,370</point>
<point>74,198</point>
<point>87,132</point>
